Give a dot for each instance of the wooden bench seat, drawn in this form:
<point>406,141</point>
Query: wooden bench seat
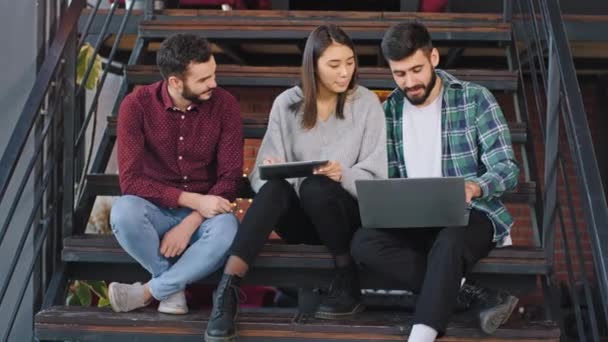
<point>94,324</point>
<point>287,76</point>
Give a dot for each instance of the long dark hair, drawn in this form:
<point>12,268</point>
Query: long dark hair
<point>318,40</point>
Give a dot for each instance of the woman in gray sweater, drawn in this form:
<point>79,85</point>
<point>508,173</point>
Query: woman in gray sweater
<point>327,117</point>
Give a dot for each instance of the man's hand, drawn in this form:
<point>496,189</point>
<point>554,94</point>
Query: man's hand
<point>332,169</point>
<point>176,240</point>
<point>206,205</point>
<point>210,205</point>
<point>471,190</point>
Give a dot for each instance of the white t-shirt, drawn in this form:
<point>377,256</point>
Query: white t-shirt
<point>422,139</point>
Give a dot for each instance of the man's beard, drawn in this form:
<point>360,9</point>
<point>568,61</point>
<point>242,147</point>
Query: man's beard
<point>190,96</point>
<point>427,90</point>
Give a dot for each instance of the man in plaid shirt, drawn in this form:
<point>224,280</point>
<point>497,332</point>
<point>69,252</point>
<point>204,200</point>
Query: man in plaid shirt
<point>439,126</point>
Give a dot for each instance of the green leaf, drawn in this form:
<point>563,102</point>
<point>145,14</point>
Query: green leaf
<point>84,58</point>
<point>99,287</point>
<point>72,300</point>
<point>103,302</point>
<point>84,294</point>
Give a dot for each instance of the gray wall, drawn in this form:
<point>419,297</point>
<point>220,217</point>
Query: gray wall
<point>18,41</point>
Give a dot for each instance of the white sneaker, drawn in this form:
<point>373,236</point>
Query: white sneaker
<point>175,304</point>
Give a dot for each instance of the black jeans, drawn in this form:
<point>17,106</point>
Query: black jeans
<point>428,261</point>
<point>324,213</point>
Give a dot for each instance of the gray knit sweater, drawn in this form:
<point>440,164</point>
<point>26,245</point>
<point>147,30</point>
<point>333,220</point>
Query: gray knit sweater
<point>358,141</point>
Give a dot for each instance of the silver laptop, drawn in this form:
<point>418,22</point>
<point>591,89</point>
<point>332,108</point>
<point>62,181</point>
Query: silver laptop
<point>412,202</point>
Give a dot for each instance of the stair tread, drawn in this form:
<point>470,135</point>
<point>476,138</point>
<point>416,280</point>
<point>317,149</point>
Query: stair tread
<point>186,13</point>
<point>105,249</point>
<point>254,127</point>
<point>108,185</point>
<point>298,24</point>
<point>63,321</point>
<point>372,77</point>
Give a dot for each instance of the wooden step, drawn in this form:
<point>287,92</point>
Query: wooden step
<point>61,323</point>
<point>105,249</point>
<point>292,25</point>
<point>285,76</point>
<point>108,185</point>
<point>254,127</point>
<point>435,17</point>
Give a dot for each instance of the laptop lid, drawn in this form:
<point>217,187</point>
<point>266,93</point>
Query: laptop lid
<point>412,202</point>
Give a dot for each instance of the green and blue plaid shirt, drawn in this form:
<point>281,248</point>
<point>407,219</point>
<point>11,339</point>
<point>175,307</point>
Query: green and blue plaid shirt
<point>476,145</point>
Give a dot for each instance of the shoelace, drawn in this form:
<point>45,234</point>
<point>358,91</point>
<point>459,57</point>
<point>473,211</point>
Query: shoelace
<point>219,305</point>
<point>471,293</point>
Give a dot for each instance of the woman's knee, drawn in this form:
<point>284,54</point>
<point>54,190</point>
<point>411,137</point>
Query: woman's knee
<point>275,185</point>
<point>315,186</point>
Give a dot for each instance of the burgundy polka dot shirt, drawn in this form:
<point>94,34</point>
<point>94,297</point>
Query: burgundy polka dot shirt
<point>163,151</point>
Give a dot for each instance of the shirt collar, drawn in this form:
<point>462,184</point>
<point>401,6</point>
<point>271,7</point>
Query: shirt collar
<point>168,102</point>
<point>449,81</point>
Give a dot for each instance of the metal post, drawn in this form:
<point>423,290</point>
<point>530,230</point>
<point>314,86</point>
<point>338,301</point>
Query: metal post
<point>409,5</point>
<point>279,5</point>
<point>550,188</point>
<point>507,10</point>
<point>149,10</point>
<point>38,276</point>
<point>69,132</point>
<point>551,151</point>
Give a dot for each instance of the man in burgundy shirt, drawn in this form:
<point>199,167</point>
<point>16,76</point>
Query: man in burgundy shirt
<point>180,156</point>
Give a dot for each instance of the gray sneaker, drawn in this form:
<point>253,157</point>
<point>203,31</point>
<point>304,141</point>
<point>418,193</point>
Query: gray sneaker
<point>494,307</point>
<point>497,312</point>
<point>126,297</point>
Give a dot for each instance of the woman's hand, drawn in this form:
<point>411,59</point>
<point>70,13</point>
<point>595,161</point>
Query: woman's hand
<point>271,160</point>
<point>332,169</point>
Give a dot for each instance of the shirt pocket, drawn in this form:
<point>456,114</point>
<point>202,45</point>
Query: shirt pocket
<point>463,150</point>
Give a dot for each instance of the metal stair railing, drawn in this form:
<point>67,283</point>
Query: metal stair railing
<point>559,106</point>
<point>51,123</point>
<point>49,106</point>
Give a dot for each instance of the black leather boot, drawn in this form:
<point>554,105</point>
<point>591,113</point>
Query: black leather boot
<point>221,326</point>
<point>344,297</point>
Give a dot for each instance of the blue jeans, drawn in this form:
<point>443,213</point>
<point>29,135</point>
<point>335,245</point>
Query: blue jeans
<point>139,226</point>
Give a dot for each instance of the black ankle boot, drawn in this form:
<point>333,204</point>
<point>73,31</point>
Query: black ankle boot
<point>494,307</point>
<point>344,297</point>
<point>221,325</point>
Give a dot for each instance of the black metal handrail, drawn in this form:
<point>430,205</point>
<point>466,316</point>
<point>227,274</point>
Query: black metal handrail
<point>57,127</point>
<point>18,139</point>
<point>123,25</point>
<point>581,148</point>
<point>46,107</point>
<point>556,91</point>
